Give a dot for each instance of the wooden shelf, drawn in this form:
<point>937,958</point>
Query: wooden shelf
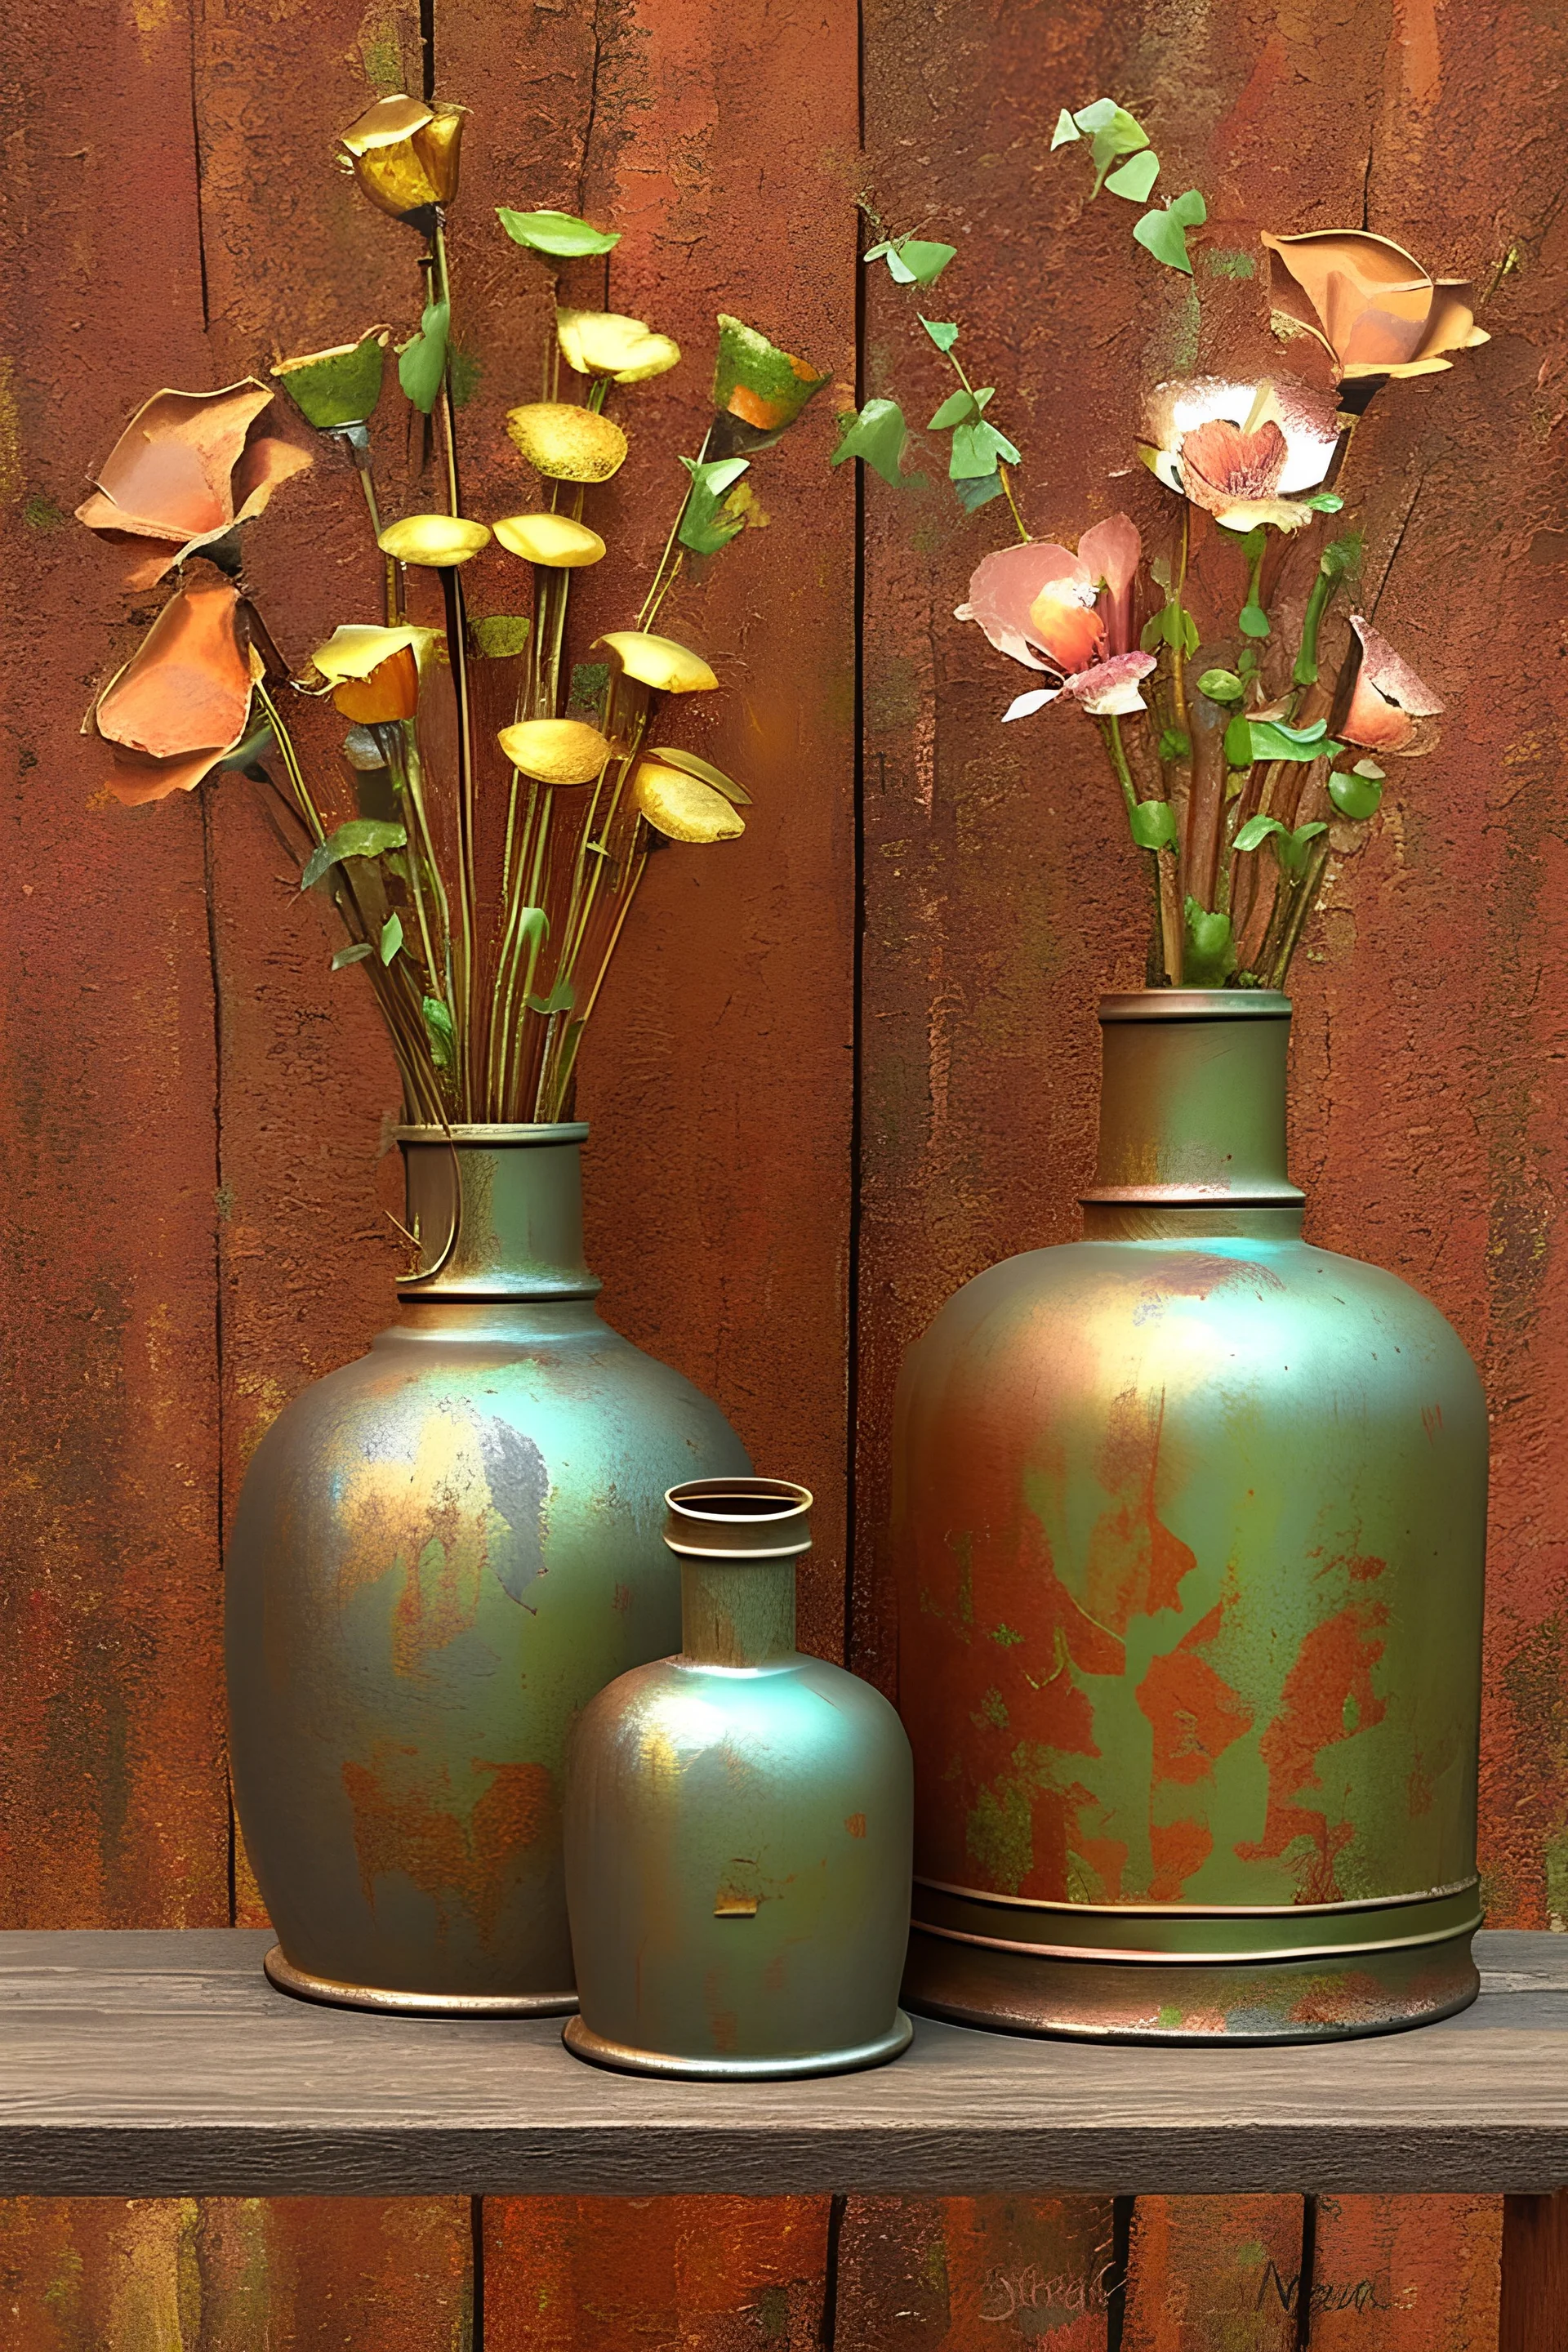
<point>162,2064</point>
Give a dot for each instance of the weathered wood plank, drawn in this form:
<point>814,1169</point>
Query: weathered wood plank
<point>691,2273</point>
<point>957,2274</point>
<point>220,2275</point>
<point>1405,2273</point>
<point>1535,2316</point>
<point>1214,2275</point>
<point>165,2064</point>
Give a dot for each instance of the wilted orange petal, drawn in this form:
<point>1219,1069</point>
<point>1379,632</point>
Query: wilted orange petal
<point>260,471</point>
<point>134,781</point>
<point>172,465</point>
<point>390,691</point>
<point>188,685</point>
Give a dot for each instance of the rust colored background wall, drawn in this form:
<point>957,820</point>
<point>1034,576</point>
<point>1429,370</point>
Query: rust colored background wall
<point>785,1182</point>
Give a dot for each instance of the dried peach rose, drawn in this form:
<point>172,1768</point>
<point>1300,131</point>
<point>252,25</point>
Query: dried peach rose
<point>184,472</point>
<point>182,703</point>
<point>1370,303</point>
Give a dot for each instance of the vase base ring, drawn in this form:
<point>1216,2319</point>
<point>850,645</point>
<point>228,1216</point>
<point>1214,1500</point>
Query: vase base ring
<point>1322,1998</point>
<point>583,2042</point>
<point>282,1972</point>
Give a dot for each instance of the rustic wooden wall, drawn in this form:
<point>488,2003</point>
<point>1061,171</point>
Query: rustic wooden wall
<point>788,1173</point>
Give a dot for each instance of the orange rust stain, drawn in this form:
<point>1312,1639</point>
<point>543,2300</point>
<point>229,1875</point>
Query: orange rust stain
<point>411,1821</point>
<point>856,1825</point>
<point>1333,1665</point>
<point>1194,1712</point>
<point>1179,1850</point>
<point>1257,106</point>
<point>1135,1563</point>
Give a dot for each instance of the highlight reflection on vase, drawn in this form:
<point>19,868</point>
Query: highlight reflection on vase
<point>440,1553</point>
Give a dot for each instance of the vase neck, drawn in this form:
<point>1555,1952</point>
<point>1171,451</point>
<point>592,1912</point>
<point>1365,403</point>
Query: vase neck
<point>738,1540</point>
<point>1191,1116</point>
<point>497,1212</point>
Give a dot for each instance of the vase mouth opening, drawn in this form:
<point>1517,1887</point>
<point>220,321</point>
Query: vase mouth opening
<point>744,1519</point>
<point>492,1137</point>
<point>1196,1004</point>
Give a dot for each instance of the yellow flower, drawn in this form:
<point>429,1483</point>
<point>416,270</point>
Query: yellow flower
<point>403,153</point>
<point>374,672</point>
<point>437,542</point>
<point>602,342</point>
<point>659,661</point>
<point>566,443</point>
<point>553,540</point>
<point>555,751</point>
<point>682,807</point>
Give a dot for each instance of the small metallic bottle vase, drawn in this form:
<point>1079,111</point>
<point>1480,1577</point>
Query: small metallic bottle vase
<point>738,1825</point>
<point>440,1553</point>
<point>1189,1521</point>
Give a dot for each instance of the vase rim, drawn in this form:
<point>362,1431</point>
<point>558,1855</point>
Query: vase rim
<point>766,1518</point>
<point>1196,1004</point>
<point>493,1135</point>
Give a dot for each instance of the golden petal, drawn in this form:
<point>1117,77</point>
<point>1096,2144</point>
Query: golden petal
<point>355,648</point>
<point>605,343</point>
<point>565,443</point>
<point>387,124</point>
<point>682,807</point>
<point>439,543</point>
<point>550,538</point>
<point>555,751</point>
<point>659,661</point>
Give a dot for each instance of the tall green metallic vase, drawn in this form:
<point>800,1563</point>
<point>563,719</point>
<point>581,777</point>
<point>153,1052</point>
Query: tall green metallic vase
<point>738,1827</point>
<point>1189,1523</point>
<point>440,1554</point>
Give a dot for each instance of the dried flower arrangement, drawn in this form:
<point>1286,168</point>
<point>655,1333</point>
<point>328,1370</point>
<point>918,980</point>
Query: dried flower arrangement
<point>483,897</point>
<point>1244,746</point>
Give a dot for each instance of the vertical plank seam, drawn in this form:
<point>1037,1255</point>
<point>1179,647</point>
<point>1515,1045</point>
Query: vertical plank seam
<point>476,2274</point>
<point>220,1335</point>
<point>192,22</point>
<point>858,945</point>
<point>1306,2274</point>
<point>1115,2271</point>
<point>827,2333</point>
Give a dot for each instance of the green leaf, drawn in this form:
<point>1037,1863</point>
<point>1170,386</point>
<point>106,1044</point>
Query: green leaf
<point>1209,957</point>
<point>1324,502</point>
<point>255,744</point>
<point>1065,132</point>
<point>976,490</point>
<point>1256,832</point>
<point>562,998</point>
<point>1136,177</point>
<point>422,364</point>
<point>691,765</point>
<point>1099,116</point>
<point>917,261</point>
<point>562,235</point>
<point>1270,741</point>
<point>1165,233</point>
<point>705,528</point>
<point>878,434</point>
<point>1172,625</point>
<point>1341,556</point>
<point>356,954</point>
<point>977,450</point>
<point>1221,685</point>
<point>1238,751</point>
<point>390,937</point>
<point>1292,849</point>
<point>1153,825</point>
<point>500,635</point>
<point>362,836</point>
<point>942,333</point>
<point>438,1029</point>
<point>1353,795</point>
<point>1175,743</point>
<point>775,384</point>
<point>958,408</point>
<point>341,388</point>
<point>1253,621</point>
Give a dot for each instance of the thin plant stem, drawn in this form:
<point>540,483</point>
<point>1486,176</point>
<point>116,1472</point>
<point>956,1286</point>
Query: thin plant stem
<point>1167,911</point>
<point>468,889</point>
<point>413,774</point>
<point>1301,907</point>
<point>654,596</point>
<point>443,396</point>
<point>396,745</point>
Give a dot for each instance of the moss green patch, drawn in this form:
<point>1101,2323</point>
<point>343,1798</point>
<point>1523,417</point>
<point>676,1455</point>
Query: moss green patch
<point>773,2312</point>
<point>1000,1838</point>
<point>992,1708</point>
<point>463,373</point>
<point>1231,264</point>
<point>1005,1635</point>
<point>42,514</point>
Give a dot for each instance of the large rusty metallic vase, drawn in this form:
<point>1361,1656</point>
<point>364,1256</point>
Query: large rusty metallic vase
<point>738,1824</point>
<point>440,1553</point>
<point>1189,1525</point>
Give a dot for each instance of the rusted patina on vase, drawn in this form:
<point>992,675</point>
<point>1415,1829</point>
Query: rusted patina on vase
<point>738,1827</point>
<point>1189,1528</point>
<point>440,1553</point>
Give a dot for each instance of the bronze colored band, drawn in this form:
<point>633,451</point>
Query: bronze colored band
<point>1109,1932</point>
<point>1197,1004</point>
<point>738,1519</point>
<point>289,1978</point>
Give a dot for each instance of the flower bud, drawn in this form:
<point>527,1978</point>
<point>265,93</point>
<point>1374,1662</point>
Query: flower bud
<point>403,153</point>
<point>555,751</point>
<point>566,443</point>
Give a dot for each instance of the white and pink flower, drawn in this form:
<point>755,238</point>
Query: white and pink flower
<point>1244,452</point>
<point>1067,614</point>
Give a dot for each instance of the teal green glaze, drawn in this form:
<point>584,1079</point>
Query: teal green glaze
<point>738,1828</point>
<point>440,1554</point>
<point>1230,1490</point>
